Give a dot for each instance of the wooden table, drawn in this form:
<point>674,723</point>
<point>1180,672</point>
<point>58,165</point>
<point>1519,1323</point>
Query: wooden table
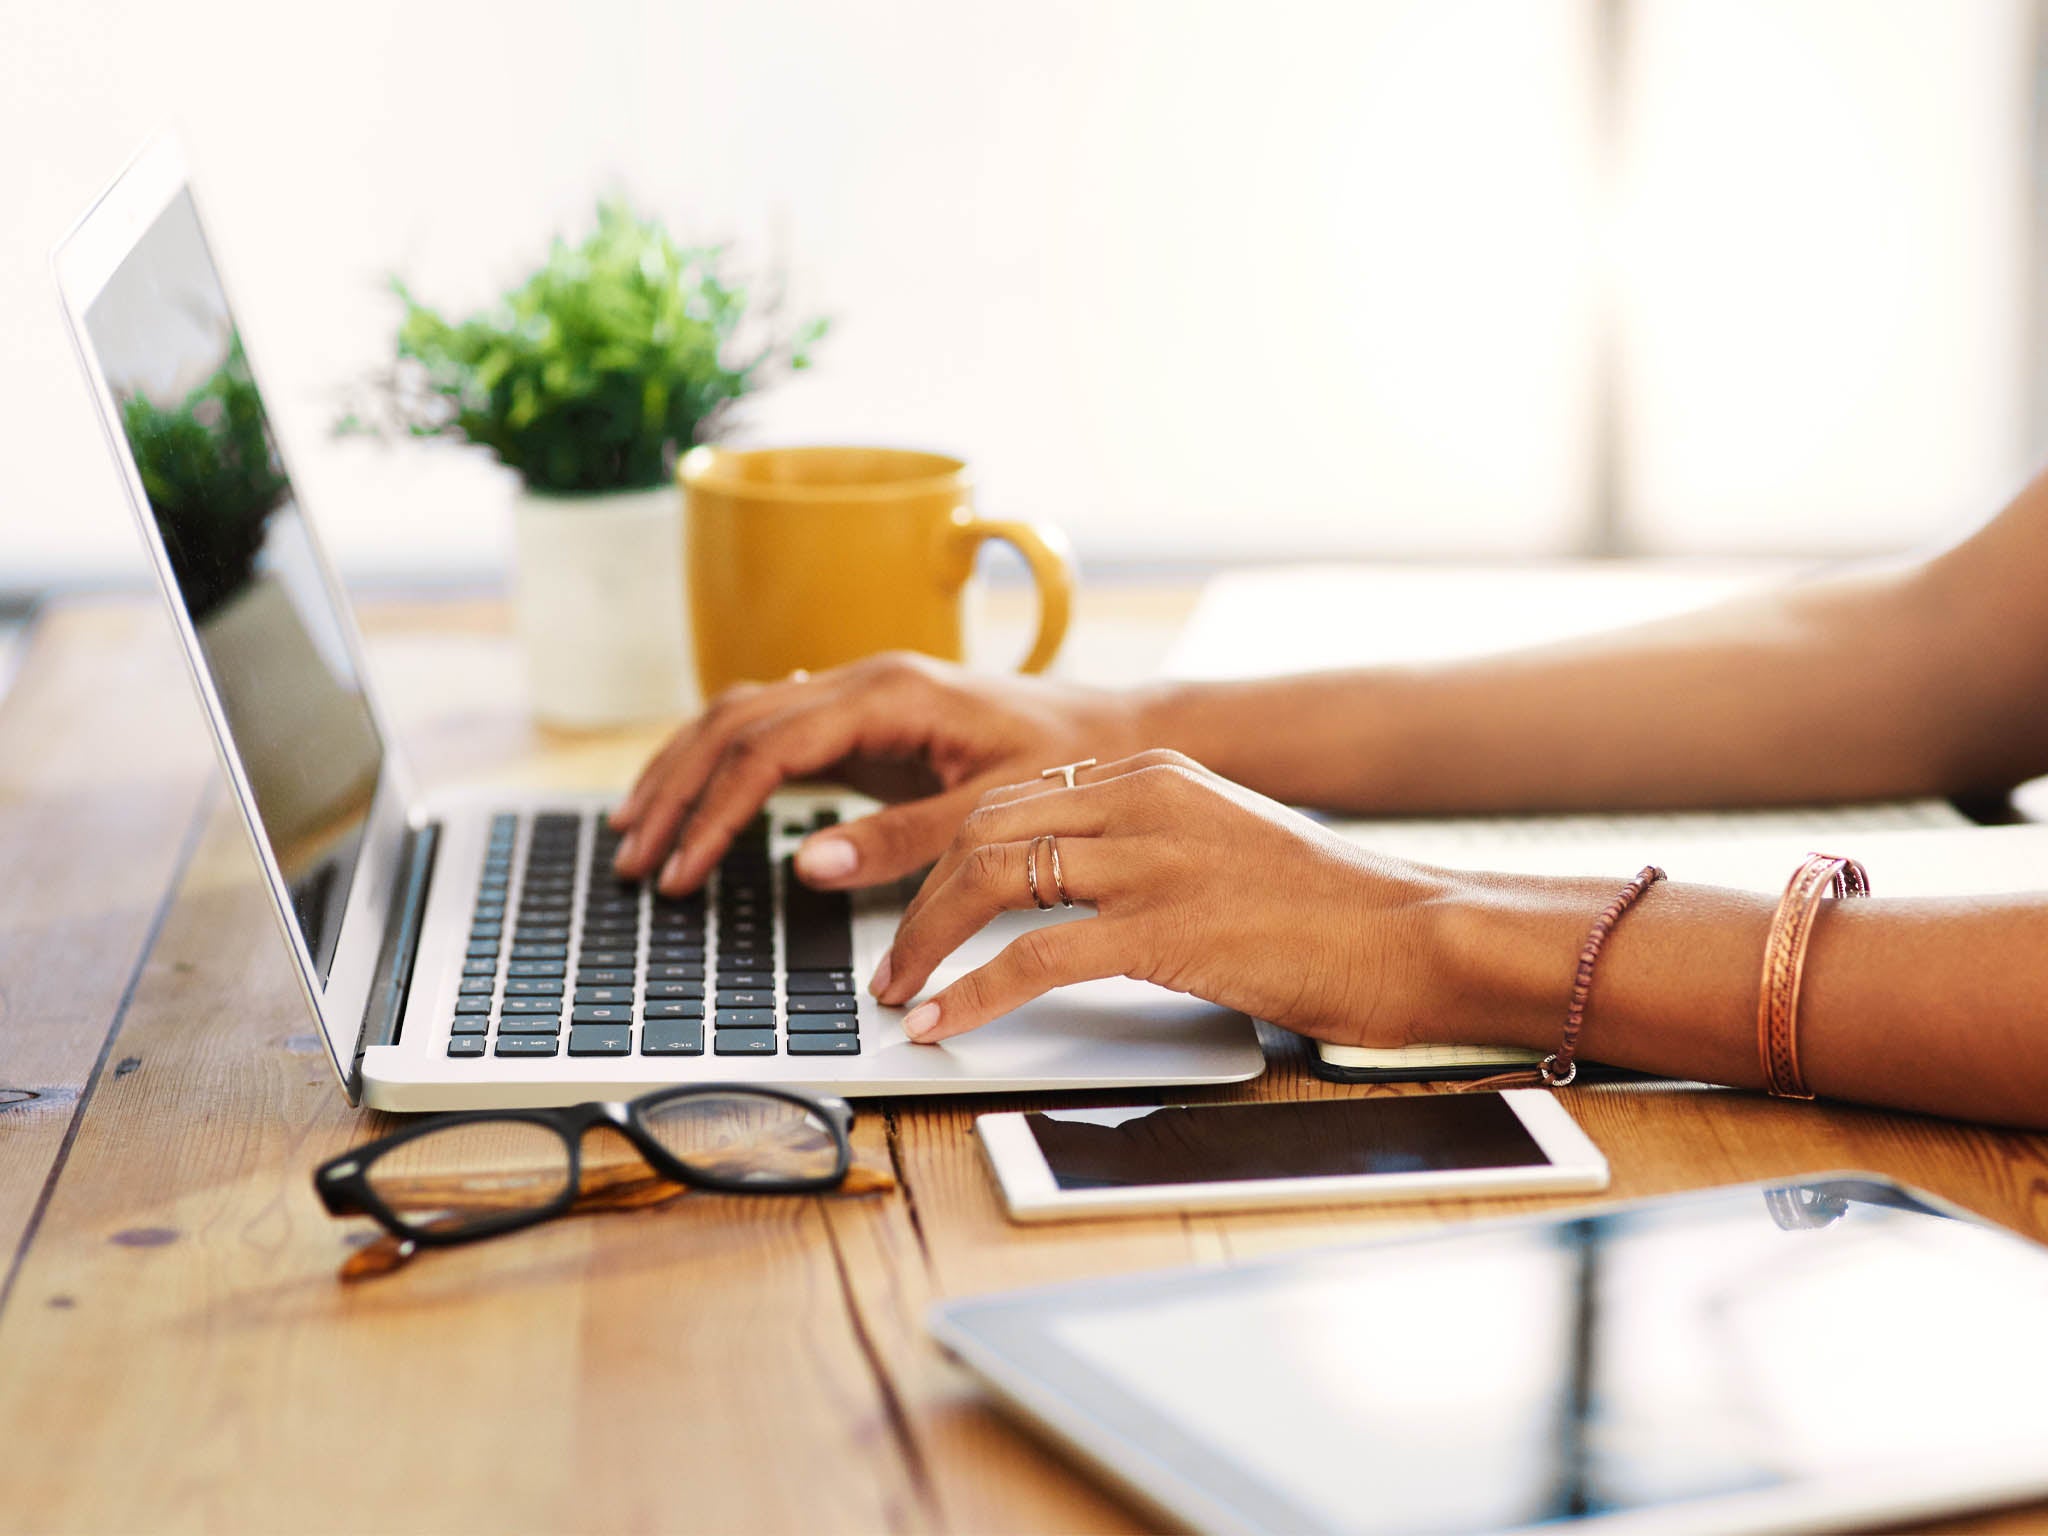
<point>176,1352</point>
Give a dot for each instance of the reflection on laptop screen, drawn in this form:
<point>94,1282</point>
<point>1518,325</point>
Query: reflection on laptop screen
<point>249,578</point>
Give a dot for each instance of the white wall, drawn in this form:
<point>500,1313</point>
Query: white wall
<point>1193,279</point>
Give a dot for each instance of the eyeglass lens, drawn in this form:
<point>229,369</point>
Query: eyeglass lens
<point>741,1136</point>
<point>469,1175</point>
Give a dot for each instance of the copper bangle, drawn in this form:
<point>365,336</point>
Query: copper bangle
<point>1559,1068</point>
<point>1777,1003</point>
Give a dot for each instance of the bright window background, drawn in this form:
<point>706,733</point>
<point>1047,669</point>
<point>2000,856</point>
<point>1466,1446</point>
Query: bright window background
<point>1200,281</point>
<point>1824,242</point>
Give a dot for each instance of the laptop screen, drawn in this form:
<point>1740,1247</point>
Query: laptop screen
<point>246,571</point>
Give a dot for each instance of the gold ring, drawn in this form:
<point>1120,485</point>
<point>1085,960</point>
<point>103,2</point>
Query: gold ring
<point>1059,881</point>
<point>1031,871</point>
<point>1067,771</point>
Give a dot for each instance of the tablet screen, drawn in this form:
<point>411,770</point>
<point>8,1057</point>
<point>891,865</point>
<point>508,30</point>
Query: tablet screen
<point>1224,1143</point>
<point>1510,1376</point>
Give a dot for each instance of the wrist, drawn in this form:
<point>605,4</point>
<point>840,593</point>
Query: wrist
<point>1507,946</point>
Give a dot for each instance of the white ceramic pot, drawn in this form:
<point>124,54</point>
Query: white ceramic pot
<point>598,596</point>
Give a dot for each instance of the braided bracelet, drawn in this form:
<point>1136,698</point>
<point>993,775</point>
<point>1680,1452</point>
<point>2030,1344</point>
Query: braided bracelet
<point>1777,1002</point>
<point>1558,1068</point>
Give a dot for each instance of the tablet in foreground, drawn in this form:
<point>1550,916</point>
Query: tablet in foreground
<point>1758,1358</point>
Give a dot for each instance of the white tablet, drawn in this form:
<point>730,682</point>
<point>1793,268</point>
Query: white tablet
<point>1838,1353</point>
<point>1055,1164</point>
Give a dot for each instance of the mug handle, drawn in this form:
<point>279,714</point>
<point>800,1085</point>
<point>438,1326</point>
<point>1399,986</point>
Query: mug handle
<point>1051,558</point>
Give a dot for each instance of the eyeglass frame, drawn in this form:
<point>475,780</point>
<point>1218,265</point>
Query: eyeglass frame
<point>344,1187</point>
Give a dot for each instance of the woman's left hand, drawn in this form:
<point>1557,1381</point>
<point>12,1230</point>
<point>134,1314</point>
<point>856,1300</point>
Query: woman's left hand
<point>1199,885</point>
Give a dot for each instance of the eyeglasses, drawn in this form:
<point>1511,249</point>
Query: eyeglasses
<point>457,1178</point>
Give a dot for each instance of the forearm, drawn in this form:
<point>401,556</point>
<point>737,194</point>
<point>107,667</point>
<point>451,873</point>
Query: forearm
<point>1917,679</point>
<point>1937,1006</point>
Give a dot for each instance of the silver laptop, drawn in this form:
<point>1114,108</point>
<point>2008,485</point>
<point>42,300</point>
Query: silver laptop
<point>473,949</point>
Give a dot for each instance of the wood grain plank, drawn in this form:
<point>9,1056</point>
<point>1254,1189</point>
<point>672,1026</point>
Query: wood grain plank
<point>181,1356</point>
<point>103,766</point>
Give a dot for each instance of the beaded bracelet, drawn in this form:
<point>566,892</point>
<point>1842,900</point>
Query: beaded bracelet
<point>1777,1002</point>
<point>1558,1068</point>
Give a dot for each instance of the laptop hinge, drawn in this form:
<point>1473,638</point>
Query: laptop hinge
<point>401,942</point>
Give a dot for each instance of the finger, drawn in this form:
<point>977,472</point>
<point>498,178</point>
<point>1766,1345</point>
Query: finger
<point>695,760</point>
<point>998,878</point>
<point>729,708</point>
<point>761,757</point>
<point>666,786</point>
<point>1057,955</point>
<point>886,845</point>
<point>1087,810</point>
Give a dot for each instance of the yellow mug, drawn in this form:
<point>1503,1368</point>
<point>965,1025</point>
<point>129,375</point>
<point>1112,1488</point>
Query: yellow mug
<point>810,557</point>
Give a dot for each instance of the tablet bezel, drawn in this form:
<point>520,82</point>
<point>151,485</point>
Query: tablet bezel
<point>1000,1338</point>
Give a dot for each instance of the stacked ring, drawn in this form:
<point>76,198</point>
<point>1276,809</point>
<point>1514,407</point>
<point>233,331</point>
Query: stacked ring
<point>1059,879</point>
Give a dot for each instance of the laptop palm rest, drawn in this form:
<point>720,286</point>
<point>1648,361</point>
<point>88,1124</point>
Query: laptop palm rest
<point>1111,1028</point>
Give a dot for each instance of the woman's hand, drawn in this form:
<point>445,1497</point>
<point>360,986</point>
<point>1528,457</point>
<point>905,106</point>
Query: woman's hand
<point>901,727</point>
<point>1199,885</point>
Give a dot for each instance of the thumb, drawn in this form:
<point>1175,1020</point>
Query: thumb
<point>886,846</point>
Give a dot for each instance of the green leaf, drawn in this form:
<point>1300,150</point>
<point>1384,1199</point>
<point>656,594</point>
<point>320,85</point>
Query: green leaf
<point>617,352</point>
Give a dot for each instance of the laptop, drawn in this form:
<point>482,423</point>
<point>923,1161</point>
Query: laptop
<point>473,949</point>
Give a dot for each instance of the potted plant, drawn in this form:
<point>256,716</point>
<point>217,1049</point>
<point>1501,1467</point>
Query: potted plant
<point>588,380</point>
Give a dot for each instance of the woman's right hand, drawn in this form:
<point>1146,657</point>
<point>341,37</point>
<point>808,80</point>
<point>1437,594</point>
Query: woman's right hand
<point>902,727</point>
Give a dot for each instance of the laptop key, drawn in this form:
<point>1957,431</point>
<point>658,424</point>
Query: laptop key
<point>670,970</point>
<point>745,979</point>
<point>820,984</point>
<point>746,1018</point>
<point>743,1042</point>
<point>538,951</point>
<point>672,1038</point>
<point>532,1005</point>
<point>673,1008</point>
<point>602,1013</point>
<point>818,926</point>
<point>484,965</point>
<point>526,1045</point>
<point>529,1024</point>
<point>608,957</point>
<point>469,1024</point>
<point>838,1003</point>
<point>605,976</point>
<point>824,1045</point>
<point>822,1024</point>
<point>753,998</point>
<point>540,933</point>
<point>535,968</point>
<point>480,930</point>
<point>678,954</point>
<point>585,995</point>
<point>601,1040</point>
<point>472,1005</point>
<point>675,989</point>
<point>534,986</point>
<point>482,949</point>
<point>466,1045</point>
<point>477,986</point>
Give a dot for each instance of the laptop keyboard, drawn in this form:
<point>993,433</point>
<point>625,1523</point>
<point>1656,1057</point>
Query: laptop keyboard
<point>563,955</point>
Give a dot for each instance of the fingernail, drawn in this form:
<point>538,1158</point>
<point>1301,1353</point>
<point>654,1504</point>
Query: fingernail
<point>672,871</point>
<point>629,850</point>
<point>921,1020</point>
<point>827,858</point>
<point>880,982</point>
